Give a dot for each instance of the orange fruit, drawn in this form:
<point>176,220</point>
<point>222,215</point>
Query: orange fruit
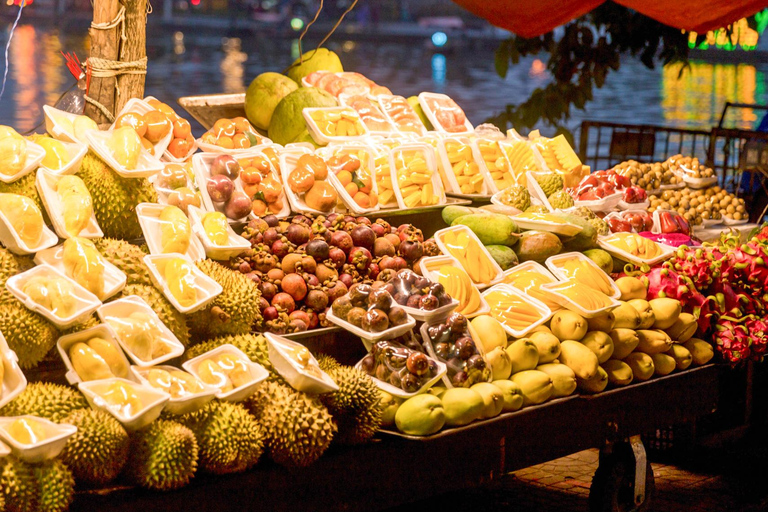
<point>261,163</point>
<point>276,205</point>
<point>366,181</point>
<point>250,190</point>
<point>241,141</point>
<point>362,199</point>
<point>250,176</point>
<point>179,147</point>
<point>374,199</point>
<point>167,110</point>
<point>242,125</point>
<point>345,177</point>
<point>351,189</point>
<point>158,126</point>
<point>208,138</point>
<point>154,102</point>
<point>259,207</point>
<point>181,128</point>
<point>224,127</point>
<point>315,164</point>
<point>148,145</point>
<point>225,142</point>
<point>134,120</point>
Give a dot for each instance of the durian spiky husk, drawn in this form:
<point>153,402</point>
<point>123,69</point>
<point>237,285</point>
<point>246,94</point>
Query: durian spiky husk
<point>18,485</point>
<point>172,319</point>
<point>327,363</point>
<point>28,334</point>
<point>10,265</point>
<point>91,321</point>
<point>99,449</point>
<point>56,486</point>
<point>229,438</point>
<point>115,198</point>
<point>163,456</point>
<point>253,345</point>
<point>297,426</point>
<point>360,427</point>
<point>47,400</point>
<point>355,406</point>
<point>127,257</point>
<point>234,311</point>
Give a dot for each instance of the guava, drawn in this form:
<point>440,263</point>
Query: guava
<point>324,60</point>
<point>287,122</point>
<point>263,95</point>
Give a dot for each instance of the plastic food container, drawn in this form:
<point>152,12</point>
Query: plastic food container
<point>152,401</point>
<point>238,394</point>
<point>575,306</point>
<point>555,265</point>
<point>401,114</point>
<point>429,269</point>
<point>527,220</point>
<point>183,404</point>
<point>142,107</point>
<point>524,157</point>
<point>438,106</point>
<point>86,302</point>
<point>392,332</point>
<point>201,164</point>
<point>449,168</point>
<point>46,184</point>
<point>384,183</point>
<point>467,264</point>
<point>666,252</point>
<point>288,161</point>
<point>207,288</point>
<point>299,378</point>
<point>10,238</point>
<point>321,133</point>
<point>606,204</point>
<point>235,243</point>
<point>542,310</point>
<point>623,216</point>
<point>151,226</point>
<point>473,376</point>
<point>402,285</point>
<point>35,155</point>
<point>76,152</point>
<point>57,435</point>
<point>367,158</point>
<point>409,192</point>
<point>55,128</point>
<point>114,278</point>
<point>102,331</point>
<point>370,113</point>
<point>147,165</point>
<point>14,380</point>
<point>497,179</point>
<point>4,450</point>
<point>395,390</point>
<point>532,266</point>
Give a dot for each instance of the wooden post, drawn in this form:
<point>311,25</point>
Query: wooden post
<point>105,44</point>
<point>134,48</point>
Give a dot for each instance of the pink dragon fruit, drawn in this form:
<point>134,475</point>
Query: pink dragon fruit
<point>664,282</point>
<point>732,340</point>
<point>746,267</point>
<point>758,332</point>
<point>698,264</point>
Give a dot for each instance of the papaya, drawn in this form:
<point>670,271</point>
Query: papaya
<point>683,329</point>
<point>523,354</point>
<point>491,228</point>
<point>461,406</point>
<point>537,246</point>
<point>492,397</point>
<point>666,312</point>
<point>681,355</point>
<point>535,386</point>
<point>578,358</point>
<point>626,317</point>
<point>512,396</point>
<point>547,344</point>
<point>603,322</point>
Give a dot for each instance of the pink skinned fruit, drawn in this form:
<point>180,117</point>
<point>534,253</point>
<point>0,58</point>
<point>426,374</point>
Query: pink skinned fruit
<point>732,340</point>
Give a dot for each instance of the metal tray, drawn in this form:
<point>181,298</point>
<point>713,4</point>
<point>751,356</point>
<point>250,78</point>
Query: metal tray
<point>209,108</point>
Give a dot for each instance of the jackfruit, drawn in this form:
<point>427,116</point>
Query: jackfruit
<point>13,151</point>
<point>24,216</point>
<point>46,400</point>
<point>172,319</point>
<point>28,334</point>
<point>125,146</point>
<point>84,264</point>
<point>163,456</point>
<point>76,204</point>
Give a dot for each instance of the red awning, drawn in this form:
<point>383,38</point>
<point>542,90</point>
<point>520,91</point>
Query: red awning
<point>530,18</point>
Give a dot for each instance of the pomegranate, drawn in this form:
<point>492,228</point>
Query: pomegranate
<point>298,234</point>
<point>342,240</point>
<point>317,300</point>
<point>269,313</point>
<point>337,257</point>
<point>363,236</point>
<point>295,286</point>
<point>318,249</point>
<point>284,301</point>
<point>360,257</point>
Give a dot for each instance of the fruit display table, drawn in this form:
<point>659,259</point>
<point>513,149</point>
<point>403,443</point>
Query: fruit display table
<point>398,469</point>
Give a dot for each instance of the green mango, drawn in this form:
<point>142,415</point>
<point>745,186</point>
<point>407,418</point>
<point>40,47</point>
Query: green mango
<point>491,228</point>
<point>453,212</point>
<point>602,258</point>
<point>537,246</point>
<point>504,256</point>
<point>586,239</point>
<point>462,406</point>
<point>420,415</point>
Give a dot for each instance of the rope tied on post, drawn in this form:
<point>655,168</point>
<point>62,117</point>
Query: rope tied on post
<point>105,68</point>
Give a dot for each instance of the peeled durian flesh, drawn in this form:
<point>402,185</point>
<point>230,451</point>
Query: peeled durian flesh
<point>181,281</point>
<point>62,296</point>
<point>187,382</point>
<point>111,355</point>
<point>37,290</point>
<point>56,154</point>
<point>211,373</point>
<point>76,204</point>
<point>236,368</point>
<point>122,397</point>
<point>215,225</point>
<point>85,264</point>
<point>2,375</point>
<point>175,231</point>
<point>88,363</point>
<point>27,431</point>
<point>304,358</point>
<point>13,151</point>
<point>141,333</point>
<point>82,124</point>
<point>25,217</point>
<point>125,145</point>
<point>176,383</point>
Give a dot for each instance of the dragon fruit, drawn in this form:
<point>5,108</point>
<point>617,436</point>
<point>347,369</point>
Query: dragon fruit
<point>746,267</point>
<point>698,264</point>
<point>664,282</point>
<point>758,332</point>
<point>732,340</point>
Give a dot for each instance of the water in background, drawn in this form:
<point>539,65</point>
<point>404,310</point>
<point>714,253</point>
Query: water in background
<point>188,63</point>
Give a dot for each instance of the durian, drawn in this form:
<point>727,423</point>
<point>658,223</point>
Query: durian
<point>125,146</point>
<point>215,225</point>
<point>112,355</point>
<point>2,376</point>
<point>121,397</point>
<point>142,334</point>
<point>175,230</point>
<point>236,368</point>
<point>25,186</point>
<point>176,382</point>
<point>115,204</point>
<point>10,265</point>
<point>88,363</point>
<point>172,319</point>
<point>360,427</point>
<point>163,456</point>
<point>53,293</point>
<point>212,374</point>
<point>181,281</point>
<point>46,400</point>
<point>56,154</point>
<point>229,438</point>
<point>76,204</point>
<point>91,321</point>
<point>28,334</point>
<point>98,451</point>
<point>355,406</point>
<point>253,345</point>
<point>84,264</point>
<point>298,428</point>
<point>26,218</point>
<point>27,431</point>
<point>126,257</point>
<point>234,311</point>
<point>18,485</point>
<point>56,486</point>
<point>327,363</point>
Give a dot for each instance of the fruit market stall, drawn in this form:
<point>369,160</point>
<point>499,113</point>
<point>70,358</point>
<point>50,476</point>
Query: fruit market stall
<point>306,288</point>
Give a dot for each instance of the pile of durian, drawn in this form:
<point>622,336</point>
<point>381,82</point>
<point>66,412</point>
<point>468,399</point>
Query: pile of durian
<point>292,427</point>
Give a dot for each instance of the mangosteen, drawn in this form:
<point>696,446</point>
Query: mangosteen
<point>297,325</point>
<point>443,350</point>
<point>429,303</point>
<point>281,248</point>
<point>284,301</point>
<point>308,264</point>
<point>444,299</point>
<point>382,372</point>
<point>271,220</point>
<point>317,300</point>
<point>269,313</point>
<point>414,301</point>
<point>459,379</point>
<point>341,307</point>
<point>318,249</point>
<point>383,247</point>
<point>360,257</point>
<point>268,290</point>
<point>417,363</point>
<point>312,280</point>
<point>253,276</point>
<point>363,236</point>
<point>465,347</point>
<point>325,273</point>
<point>436,289</point>
<point>421,283</point>
<point>380,299</point>
<point>337,257</point>
<point>363,220</point>
<point>339,289</point>
<point>410,383</point>
<point>433,368</point>
<point>397,316</point>
<point>375,320</point>
<point>298,234</point>
<point>401,298</point>
<point>435,332</point>
<point>367,364</point>
<point>378,285</point>
<point>457,323</point>
<point>394,379</point>
<point>373,271</point>
<point>396,356</point>
<point>263,304</point>
<point>407,275</point>
<point>342,240</point>
<point>379,230</point>
<point>346,279</point>
<point>302,219</point>
<point>476,362</point>
<point>356,316</point>
<point>358,294</point>
<point>411,250</point>
<point>455,362</point>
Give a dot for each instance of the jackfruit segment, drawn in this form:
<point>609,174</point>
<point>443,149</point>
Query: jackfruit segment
<point>76,204</point>
<point>175,230</point>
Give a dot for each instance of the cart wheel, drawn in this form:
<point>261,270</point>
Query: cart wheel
<point>613,486</point>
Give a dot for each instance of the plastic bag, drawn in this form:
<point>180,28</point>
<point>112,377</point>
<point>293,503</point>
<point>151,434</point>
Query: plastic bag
<point>399,366</point>
<point>451,342</point>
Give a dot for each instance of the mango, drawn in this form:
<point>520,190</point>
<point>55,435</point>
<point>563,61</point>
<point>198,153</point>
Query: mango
<point>641,364</point>
<point>603,322</point>
<point>523,355</point>
<point>567,325</point>
<point>499,363</point>
<point>578,358</point>
<point>625,341</point>
<point>599,343</point>
<point>420,415</point>
<point>493,399</point>
<point>663,364</point>
<point>683,329</point>
<point>535,386</point>
<point>462,406</point>
<point>681,355</point>
<point>645,311</point>
<point>488,333</point>
<point>596,384</point>
<point>666,311</point>
<point>537,246</point>
<point>491,228</point>
<point>389,406</point>
<point>631,288</point>
<point>602,258</point>
<point>503,255</point>
<point>619,372</point>
<point>511,395</point>
<point>701,351</point>
<point>653,341</point>
<point>453,212</point>
<point>563,378</point>
<point>547,345</point>
<point>582,241</point>
<point>437,391</point>
<point>627,317</point>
